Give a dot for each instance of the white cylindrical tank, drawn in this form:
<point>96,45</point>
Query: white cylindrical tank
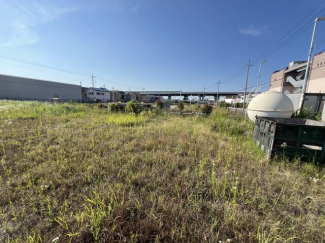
<point>270,104</point>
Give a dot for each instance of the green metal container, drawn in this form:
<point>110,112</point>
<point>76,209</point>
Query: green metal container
<point>291,137</point>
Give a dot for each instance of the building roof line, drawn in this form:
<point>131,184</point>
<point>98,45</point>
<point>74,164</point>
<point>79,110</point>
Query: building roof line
<point>35,79</point>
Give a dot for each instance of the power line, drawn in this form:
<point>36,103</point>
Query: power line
<point>288,41</point>
<point>303,52</point>
<point>54,68</point>
<point>110,81</point>
<point>253,86</point>
<point>43,66</point>
<point>294,36</point>
<point>301,21</point>
<point>282,44</point>
<point>240,72</point>
<point>35,70</point>
<point>268,72</point>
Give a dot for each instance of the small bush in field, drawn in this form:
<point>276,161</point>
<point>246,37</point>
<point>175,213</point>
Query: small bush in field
<point>181,106</point>
<point>132,107</point>
<point>207,109</point>
<point>223,104</point>
<point>197,107</point>
<point>113,107</point>
<point>100,105</point>
<point>159,104</point>
<point>239,105</point>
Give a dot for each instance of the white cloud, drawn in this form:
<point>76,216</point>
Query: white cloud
<point>21,35</point>
<point>251,30</point>
<point>18,19</point>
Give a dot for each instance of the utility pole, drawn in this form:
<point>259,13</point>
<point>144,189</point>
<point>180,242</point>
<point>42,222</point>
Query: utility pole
<point>303,91</point>
<point>204,93</point>
<point>113,95</point>
<point>218,92</point>
<point>259,74</point>
<point>244,103</point>
<point>92,78</point>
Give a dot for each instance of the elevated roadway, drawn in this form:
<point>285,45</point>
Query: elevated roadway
<point>186,94</point>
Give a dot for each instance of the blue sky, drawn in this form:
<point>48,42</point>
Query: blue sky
<point>153,44</point>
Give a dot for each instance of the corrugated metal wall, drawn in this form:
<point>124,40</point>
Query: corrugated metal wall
<point>22,88</point>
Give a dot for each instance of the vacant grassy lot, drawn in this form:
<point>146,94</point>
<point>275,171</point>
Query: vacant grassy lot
<point>74,173</point>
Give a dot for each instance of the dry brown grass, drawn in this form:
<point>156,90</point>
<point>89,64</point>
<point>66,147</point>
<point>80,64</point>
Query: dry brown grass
<point>84,178</point>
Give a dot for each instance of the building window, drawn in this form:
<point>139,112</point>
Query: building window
<point>90,93</point>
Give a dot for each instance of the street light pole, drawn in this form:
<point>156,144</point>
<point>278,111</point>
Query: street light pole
<point>303,91</point>
<point>244,102</point>
<point>259,74</point>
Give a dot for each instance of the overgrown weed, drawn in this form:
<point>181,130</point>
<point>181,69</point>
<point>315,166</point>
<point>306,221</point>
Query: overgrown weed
<point>82,174</point>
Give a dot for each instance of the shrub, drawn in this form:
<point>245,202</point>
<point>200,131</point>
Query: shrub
<point>207,109</point>
<point>159,104</point>
<point>197,107</point>
<point>307,114</point>
<point>181,106</point>
<point>132,107</point>
<point>113,107</point>
<point>223,104</point>
<point>100,105</point>
<point>239,105</point>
